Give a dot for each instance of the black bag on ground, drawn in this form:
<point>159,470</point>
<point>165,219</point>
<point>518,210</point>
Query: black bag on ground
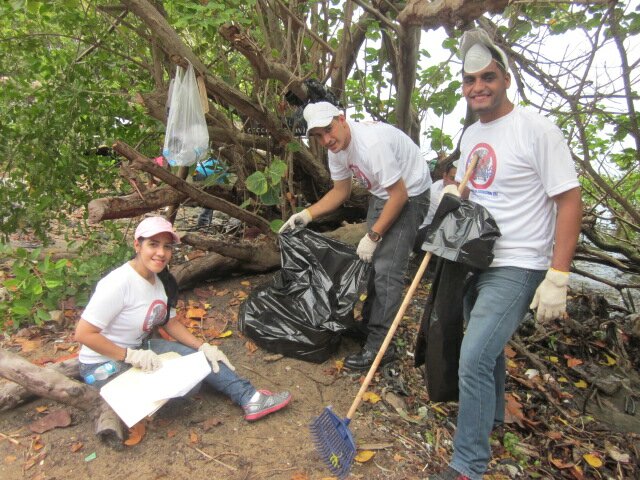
<point>462,234</point>
<point>310,301</point>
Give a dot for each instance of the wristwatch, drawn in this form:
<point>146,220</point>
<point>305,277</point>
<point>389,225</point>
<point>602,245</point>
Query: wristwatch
<point>374,236</point>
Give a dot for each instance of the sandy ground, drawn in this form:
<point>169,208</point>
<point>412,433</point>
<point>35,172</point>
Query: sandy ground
<point>206,436</point>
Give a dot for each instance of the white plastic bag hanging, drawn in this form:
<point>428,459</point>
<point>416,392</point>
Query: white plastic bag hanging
<point>186,140</point>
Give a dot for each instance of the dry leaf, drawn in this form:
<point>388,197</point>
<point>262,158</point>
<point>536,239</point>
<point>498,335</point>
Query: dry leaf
<point>196,312</point>
<point>225,334</point>
<point>370,397</point>
<point>616,454</point>
<point>250,346</point>
<point>222,293</point>
<point>581,384</point>
<point>171,433</point>
<point>209,423</point>
<point>513,411</point>
<point>136,433</point>
<point>300,476</point>
<point>364,456</point>
<point>193,437</point>
<point>29,345</point>
<point>558,463</point>
<point>610,361</point>
<point>42,408</point>
<point>593,460</point>
<point>509,352</point>
<point>202,292</point>
<point>246,283</point>
<point>573,362</point>
<point>76,447</point>
<point>36,444</point>
<point>553,359</point>
<point>57,418</point>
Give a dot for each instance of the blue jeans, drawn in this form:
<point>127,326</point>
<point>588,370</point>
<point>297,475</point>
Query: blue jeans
<point>494,305</point>
<point>225,381</point>
<point>390,259</point>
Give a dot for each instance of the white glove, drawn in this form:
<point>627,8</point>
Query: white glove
<point>145,360</point>
<point>215,355</point>
<point>551,296</point>
<point>452,189</point>
<point>300,219</point>
<point>366,247</point>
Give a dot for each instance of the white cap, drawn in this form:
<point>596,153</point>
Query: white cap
<point>475,51</point>
<point>320,114</point>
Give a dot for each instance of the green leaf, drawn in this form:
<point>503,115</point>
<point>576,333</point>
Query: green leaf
<point>275,225</point>
<point>51,283</point>
<point>271,197</point>
<point>257,183</point>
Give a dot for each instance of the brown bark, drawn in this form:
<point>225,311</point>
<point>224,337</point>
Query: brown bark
<point>13,394</point>
<point>133,205</point>
<point>433,14</point>
<point>55,385</point>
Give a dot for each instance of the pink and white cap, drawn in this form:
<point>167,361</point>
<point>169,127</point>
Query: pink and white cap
<point>151,226</point>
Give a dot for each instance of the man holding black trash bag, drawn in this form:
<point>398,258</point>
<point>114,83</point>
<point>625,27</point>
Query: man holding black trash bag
<point>527,181</point>
<point>388,163</point>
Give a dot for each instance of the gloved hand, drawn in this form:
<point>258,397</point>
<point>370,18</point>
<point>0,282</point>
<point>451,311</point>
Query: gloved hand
<point>366,247</point>
<point>300,219</point>
<point>550,298</point>
<point>453,189</point>
<point>145,360</point>
<point>215,355</point>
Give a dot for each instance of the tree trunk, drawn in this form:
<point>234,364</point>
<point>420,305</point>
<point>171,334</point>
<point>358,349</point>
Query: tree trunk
<point>13,394</point>
<point>53,384</point>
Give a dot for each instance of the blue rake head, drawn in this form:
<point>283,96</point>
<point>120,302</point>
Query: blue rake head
<point>334,442</point>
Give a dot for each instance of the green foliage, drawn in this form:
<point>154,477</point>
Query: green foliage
<point>58,106</point>
<point>266,184</point>
<point>37,284</point>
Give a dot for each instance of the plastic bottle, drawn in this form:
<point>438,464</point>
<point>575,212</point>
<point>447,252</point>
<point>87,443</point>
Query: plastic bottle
<point>103,371</point>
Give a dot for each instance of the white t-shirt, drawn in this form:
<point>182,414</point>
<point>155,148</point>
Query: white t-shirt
<point>126,307</point>
<point>379,155</point>
<point>524,160</point>
<point>434,201</point>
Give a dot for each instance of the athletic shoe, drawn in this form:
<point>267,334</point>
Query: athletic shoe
<point>266,403</point>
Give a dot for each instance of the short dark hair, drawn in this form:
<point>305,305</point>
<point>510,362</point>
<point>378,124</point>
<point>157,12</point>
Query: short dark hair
<point>498,58</point>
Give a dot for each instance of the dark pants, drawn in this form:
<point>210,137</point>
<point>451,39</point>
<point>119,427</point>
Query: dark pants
<point>386,282</point>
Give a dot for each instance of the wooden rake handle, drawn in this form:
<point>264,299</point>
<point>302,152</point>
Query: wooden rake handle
<point>403,306</point>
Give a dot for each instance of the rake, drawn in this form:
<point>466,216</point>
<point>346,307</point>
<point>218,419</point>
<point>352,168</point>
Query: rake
<point>330,433</point>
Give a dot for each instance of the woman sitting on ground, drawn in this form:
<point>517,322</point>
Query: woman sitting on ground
<point>131,301</point>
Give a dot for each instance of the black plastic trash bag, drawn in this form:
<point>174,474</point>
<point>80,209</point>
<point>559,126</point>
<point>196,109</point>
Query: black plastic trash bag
<point>311,299</point>
<point>441,331</point>
<point>462,231</point>
<point>462,234</point>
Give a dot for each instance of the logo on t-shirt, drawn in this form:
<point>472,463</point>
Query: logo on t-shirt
<point>485,171</point>
<point>360,177</point>
<point>155,315</point>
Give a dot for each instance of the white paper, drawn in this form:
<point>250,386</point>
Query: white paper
<point>136,394</point>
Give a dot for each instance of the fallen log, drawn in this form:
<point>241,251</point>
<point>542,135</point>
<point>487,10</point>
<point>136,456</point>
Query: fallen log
<point>13,394</point>
<point>52,384</point>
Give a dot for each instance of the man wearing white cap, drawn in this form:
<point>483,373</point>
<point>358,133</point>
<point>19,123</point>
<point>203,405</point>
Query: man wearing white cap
<point>526,179</point>
<point>388,163</point>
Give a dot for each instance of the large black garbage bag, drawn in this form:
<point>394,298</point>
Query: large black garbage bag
<point>462,234</point>
<point>311,299</point>
<point>462,231</point>
<point>441,331</point>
